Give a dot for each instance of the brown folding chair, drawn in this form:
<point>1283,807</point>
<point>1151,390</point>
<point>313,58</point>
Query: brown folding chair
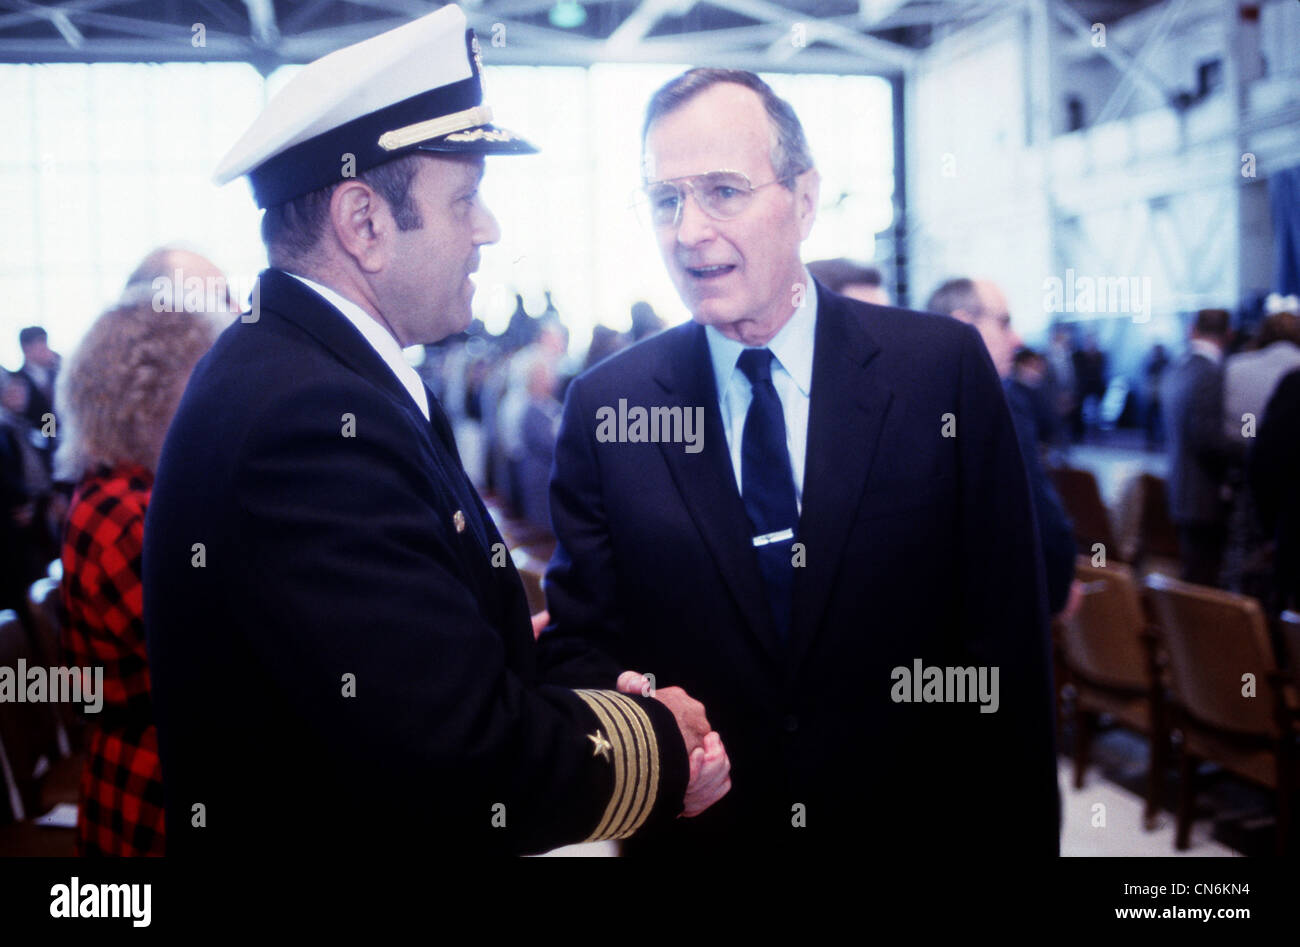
<point>35,776</point>
<point>47,620</point>
<point>1082,499</point>
<point>45,608</point>
<point>1214,639</point>
<point>1110,658</point>
<point>1147,536</point>
<point>1289,625</point>
<point>1157,535</point>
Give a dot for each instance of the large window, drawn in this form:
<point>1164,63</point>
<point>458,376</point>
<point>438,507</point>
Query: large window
<point>102,163</point>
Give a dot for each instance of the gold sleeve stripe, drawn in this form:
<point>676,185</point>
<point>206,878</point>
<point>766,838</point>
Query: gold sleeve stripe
<point>630,817</point>
<point>648,784</point>
<point>618,761</point>
<point>648,750</point>
<point>626,751</point>
<point>635,761</point>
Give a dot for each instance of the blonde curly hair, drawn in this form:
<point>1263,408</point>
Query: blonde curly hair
<point>116,395</point>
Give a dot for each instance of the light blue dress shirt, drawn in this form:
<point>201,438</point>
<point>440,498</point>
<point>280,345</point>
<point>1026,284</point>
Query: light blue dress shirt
<point>792,348</point>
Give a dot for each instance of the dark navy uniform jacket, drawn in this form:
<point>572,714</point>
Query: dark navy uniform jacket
<point>917,554</point>
<point>337,663</point>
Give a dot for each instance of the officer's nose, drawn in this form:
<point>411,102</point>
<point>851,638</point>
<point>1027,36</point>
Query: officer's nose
<point>486,230</point>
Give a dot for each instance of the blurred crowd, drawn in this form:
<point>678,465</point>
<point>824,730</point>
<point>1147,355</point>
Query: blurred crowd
<point>1222,411</point>
<point>503,394</point>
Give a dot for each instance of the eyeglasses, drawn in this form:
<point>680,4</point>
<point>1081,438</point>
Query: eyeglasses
<point>723,195</point>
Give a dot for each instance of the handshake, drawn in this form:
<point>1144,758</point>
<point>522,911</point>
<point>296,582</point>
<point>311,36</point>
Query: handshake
<point>710,768</point>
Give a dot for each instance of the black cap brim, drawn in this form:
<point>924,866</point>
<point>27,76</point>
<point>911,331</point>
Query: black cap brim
<point>480,139</point>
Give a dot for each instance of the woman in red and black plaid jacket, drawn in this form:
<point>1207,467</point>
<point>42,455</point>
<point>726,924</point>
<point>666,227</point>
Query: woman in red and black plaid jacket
<point>116,397</point>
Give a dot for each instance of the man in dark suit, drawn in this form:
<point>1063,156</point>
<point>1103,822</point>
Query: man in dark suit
<point>811,514</point>
<point>982,304</point>
<point>341,654</point>
<point>1200,452</point>
<point>21,477</point>
<point>38,373</point>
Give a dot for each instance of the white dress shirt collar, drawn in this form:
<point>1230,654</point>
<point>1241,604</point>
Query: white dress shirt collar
<point>379,338</point>
<point>1207,349</point>
<point>792,346</point>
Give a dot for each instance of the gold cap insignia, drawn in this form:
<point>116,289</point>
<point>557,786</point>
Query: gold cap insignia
<point>482,134</point>
<point>478,65</point>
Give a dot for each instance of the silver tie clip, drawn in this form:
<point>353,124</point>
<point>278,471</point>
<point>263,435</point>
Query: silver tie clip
<point>776,537</point>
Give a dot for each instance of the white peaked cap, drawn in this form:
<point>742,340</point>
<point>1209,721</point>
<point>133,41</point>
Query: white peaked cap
<point>414,88</point>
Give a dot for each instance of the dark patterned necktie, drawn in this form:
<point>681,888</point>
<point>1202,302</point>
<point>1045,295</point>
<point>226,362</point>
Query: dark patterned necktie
<point>767,486</point>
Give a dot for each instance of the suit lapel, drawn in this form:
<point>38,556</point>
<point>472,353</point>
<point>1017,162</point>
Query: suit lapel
<point>290,299</point>
<point>280,293</point>
<point>707,483</point>
<point>846,415</point>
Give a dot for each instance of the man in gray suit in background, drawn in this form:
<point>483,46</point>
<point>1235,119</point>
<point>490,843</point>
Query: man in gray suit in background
<point>1200,453</point>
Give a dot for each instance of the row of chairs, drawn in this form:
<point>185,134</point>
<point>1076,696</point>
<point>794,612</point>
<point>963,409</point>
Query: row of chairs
<point>1196,671</point>
<point>1141,532</point>
<point>40,743</point>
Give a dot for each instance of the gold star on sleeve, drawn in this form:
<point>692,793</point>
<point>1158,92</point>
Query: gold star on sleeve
<point>633,750</point>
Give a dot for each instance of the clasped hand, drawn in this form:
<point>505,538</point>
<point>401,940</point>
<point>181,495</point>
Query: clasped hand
<point>710,768</point>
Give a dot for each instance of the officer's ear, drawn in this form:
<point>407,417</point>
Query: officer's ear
<point>362,224</point>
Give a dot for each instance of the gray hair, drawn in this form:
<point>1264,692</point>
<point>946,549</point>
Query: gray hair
<point>841,272</point>
<point>790,155</point>
<point>954,294</point>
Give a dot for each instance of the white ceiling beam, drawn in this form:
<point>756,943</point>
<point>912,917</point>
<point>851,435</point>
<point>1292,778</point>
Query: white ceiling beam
<point>878,50</point>
<point>261,19</point>
<point>504,9</point>
<point>304,14</point>
<point>811,61</point>
<point>1118,57</point>
<point>914,13</point>
<point>639,23</point>
<point>871,12</point>
<point>539,36</point>
<point>31,12</point>
<point>408,8</point>
<point>729,38</point>
<point>329,38</point>
<point>71,35</point>
<point>218,49</point>
<point>131,26</point>
<point>1120,97</point>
